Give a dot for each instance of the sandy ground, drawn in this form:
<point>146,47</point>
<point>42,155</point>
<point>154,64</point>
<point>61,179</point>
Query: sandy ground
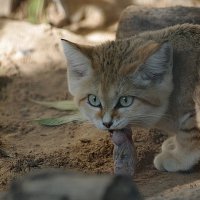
<point>35,69</point>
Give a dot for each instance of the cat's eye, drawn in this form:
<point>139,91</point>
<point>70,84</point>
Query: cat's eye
<point>94,101</point>
<point>125,101</point>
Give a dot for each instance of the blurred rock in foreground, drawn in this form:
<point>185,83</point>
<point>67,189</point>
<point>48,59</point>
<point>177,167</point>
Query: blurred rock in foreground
<point>57,185</point>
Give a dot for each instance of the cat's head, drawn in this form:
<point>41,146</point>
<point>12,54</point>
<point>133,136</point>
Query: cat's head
<point>120,83</point>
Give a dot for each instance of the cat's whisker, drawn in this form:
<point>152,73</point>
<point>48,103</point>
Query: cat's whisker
<point>151,116</point>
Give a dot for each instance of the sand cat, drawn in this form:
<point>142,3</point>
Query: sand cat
<point>148,80</point>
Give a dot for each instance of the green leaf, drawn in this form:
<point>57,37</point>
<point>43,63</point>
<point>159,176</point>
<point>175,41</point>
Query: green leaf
<point>60,120</point>
<point>60,105</point>
<point>35,10</point>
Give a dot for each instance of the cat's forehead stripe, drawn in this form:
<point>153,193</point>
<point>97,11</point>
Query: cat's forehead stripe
<point>112,61</point>
<point>107,61</point>
<point>112,58</point>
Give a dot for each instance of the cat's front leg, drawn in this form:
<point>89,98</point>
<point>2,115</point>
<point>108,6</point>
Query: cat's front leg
<point>124,153</point>
<point>179,153</point>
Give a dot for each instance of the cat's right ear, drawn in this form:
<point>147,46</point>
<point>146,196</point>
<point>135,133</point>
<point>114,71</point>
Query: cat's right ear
<point>78,63</point>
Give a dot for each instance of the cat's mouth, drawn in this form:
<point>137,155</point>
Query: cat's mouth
<point>121,135</point>
<point>114,130</point>
<point>121,129</point>
<point>111,131</point>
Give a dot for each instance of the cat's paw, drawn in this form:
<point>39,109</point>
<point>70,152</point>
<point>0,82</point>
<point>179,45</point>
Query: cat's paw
<point>174,161</point>
<point>175,157</point>
<point>169,144</point>
<point>168,159</point>
<point>165,161</point>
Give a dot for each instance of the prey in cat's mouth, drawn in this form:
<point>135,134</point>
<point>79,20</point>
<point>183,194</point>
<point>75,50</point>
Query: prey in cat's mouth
<point>124,153</point>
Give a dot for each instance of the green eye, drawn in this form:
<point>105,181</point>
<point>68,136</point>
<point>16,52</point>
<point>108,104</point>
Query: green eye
<point>94,101</point>
<point>125,101</point>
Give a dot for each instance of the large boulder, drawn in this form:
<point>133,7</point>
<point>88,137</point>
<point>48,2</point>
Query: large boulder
<point>135,19</point>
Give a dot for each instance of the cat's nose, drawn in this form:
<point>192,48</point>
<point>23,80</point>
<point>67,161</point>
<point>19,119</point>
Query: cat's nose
<point>108,124</point>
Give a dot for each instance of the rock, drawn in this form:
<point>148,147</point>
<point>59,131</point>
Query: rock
<point>136,19</point>
<point>44,47</point>
<point>57,185</point>
<point>166,3</point>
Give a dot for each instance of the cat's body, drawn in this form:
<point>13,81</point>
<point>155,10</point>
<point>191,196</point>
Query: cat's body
<point>149,80</point>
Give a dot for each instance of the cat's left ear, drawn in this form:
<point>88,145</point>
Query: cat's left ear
<point>156,65</point>
<point>79,67</point>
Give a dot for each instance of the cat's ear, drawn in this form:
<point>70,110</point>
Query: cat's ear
<point>156,65</point>
<point>79,66</point>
